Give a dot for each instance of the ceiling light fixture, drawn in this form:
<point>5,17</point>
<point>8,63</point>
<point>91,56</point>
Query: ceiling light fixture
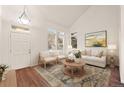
<point>23,18</point>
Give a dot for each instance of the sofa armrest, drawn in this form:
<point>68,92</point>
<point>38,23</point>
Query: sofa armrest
<point>41,59</point>
<point>104,59</point>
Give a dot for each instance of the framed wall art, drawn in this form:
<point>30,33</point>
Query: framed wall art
<point>96,39</point>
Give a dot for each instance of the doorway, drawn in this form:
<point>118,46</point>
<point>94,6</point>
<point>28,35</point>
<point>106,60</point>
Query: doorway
<point>20,48</point>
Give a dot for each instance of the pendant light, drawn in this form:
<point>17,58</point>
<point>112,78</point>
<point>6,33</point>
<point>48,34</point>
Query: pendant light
<point>23,18</point>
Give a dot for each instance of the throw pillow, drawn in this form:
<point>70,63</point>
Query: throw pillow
<point>53,53</point>
<point>45,54</point>
<point>100,54</point>
<point>83,52</point>
<point>88,52</point>
<point>95,52</point>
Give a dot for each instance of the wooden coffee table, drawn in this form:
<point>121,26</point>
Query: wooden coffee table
<point>74,69</point>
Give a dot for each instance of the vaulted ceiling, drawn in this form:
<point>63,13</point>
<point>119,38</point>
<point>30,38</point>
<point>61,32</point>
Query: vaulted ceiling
<point>64,15</point>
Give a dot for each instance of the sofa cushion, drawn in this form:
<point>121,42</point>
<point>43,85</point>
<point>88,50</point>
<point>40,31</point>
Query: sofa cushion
<point>88,52</point>
<point>95,52</point>
<point>50,53</point>
<point>92,58</point>
<point>44,54</point>
<point>48,59</point>
<point>100,54</point>
<point>53,53</point>
<point>61,56</point>
<point>83,52</point>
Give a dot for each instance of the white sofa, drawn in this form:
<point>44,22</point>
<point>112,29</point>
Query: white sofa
<point>93,60</point>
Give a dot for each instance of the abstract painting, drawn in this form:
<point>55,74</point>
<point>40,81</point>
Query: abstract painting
<point>96,39</point>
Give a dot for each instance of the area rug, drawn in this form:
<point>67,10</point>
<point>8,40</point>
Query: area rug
<point>93,77</point>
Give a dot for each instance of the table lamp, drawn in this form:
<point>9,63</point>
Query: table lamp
<point>112,48</point>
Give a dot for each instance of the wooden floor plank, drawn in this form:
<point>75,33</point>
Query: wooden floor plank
<point>28,77</point>
<point>10,80</point>
<point>115,78</point>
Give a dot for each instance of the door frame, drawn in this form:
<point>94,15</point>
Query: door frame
<point>25,31</point>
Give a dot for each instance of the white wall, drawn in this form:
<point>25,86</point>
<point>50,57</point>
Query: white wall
<point>58,28</point>
<point>98,18</point>
<point>122,45</point>
<point>0,37</point>
<point>9,17</point>
<point>38,29</point>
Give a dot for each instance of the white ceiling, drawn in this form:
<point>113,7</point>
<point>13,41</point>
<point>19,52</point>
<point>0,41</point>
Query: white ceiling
<point>64,15</point>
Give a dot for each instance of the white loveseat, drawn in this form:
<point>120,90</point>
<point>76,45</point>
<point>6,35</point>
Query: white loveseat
<point>46,58</point>
<point>50,57</point>
<point>94,60</point>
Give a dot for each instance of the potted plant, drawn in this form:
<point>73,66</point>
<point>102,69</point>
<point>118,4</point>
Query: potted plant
<point>2,70</point>
<point>77,56</point>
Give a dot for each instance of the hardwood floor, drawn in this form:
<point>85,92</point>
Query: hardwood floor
<point>115,78</point>
<point>10,80</point>
<point>28,77</point>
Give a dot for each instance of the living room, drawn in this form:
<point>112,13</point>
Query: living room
<point>52,34</point>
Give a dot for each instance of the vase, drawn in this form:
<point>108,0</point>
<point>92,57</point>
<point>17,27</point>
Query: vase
<point>77,60</point>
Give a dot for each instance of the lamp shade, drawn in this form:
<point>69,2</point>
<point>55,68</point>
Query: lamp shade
<point>112,46</point>
<point>69,47</point>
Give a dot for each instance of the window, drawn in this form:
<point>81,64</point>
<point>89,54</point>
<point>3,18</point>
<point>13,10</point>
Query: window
<point>60,40</point>
<point>55,40</point>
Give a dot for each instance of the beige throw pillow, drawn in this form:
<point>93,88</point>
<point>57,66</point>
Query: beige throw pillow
<point>95,52</point>
<point>83,52</point>
<point>88,52</point>
<point>100,54</point>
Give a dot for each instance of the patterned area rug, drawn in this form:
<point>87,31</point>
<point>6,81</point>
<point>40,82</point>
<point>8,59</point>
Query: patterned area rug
<point>93,77</point>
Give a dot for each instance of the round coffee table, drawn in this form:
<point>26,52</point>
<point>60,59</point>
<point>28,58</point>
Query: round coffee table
<point>74,69</point>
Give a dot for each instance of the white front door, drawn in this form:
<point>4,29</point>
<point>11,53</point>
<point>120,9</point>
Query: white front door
<point>20,50</point>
